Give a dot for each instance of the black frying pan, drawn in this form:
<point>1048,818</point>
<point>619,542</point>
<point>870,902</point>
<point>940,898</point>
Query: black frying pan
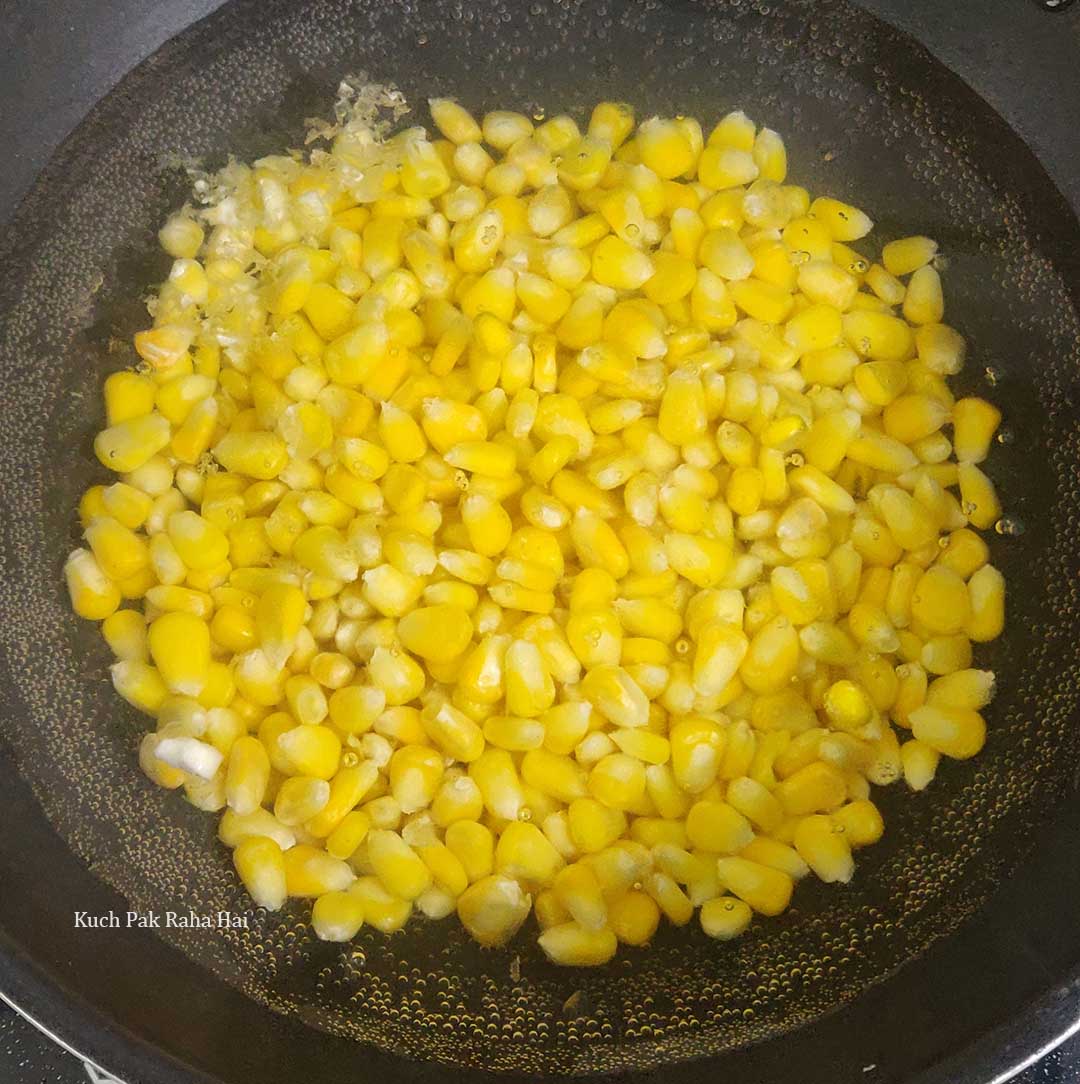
<point>953,956</point>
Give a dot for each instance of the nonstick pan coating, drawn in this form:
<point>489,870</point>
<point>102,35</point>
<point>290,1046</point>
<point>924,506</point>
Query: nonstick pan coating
<point>867,116</point>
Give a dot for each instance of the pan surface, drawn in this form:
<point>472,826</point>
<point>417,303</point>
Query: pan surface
<point>868,116</point>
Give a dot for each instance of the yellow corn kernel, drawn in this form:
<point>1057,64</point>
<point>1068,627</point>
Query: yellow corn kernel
<point>383,910</point>
<point>436,633</point>
<point>575,945</point>
<point>93,594</point>
<point>247,775</point>
<point>725,917</point>
<point>718,827</point>
<point>923,302</point>
<point>355,708</point>
<point>755,802</point>
<point>399,868</point>
<point>974,423</point>
<point>978,497</point>
<point>986,595</point>
<point>260,864</point>
<point>397,674</point>
<point>139,684</point>
<point>415,774</point>
<point>299,798</point>
<point>766,890</point>
<point>847,706</point>
<point>593,826</point>
<point>530,689</point>
<point>971,689</point>
<point>492,910</point>
<point>724,166</point>
<point>908,254</point>
<point>772,656</point>
<point>525,853</point>
<point>256,454</point>
<point>618,264</point>
<point>279,616</point>
<point>454,121</point>
<point>665,148</point>
<point>337,916</point>
<point>878,335</point>
<point>823,845</point>
<point>816,788</point>
<point>920,763</point>
<point>127,445</point>
<point>128,395</point>
<point>770,157</point>
<point>940,348</point>
<point>670,898</point>
<point>180,648</point>
<point>763,301</point>
<point>776,855</point>
<point>181,237</point>
<point>940,601</point>
<point>724,253</point>
<point>581,165</point>
<point>310,872</point>
<point>348,835</point>
<point>964,553</point>
<point>861,822</point>
<point>952,731</point>
<point>474,847</point>
<point>618,781</point>
<point>633,917</point>
<point>125,633</point>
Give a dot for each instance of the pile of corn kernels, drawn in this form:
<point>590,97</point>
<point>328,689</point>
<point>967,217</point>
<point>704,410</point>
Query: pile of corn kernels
<point>529,520</point>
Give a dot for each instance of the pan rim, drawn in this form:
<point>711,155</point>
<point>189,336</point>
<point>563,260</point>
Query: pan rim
<point>66,1017</point>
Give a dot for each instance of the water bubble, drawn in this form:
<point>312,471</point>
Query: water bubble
<point>1005,436</point>
<point>1009,526</point>
<point>940,262</point>
<point>682,646</point>
<point>860,267</point>
<point>632,229</point>
<point>992,375</point>
<point>799,257</point>
<point>422,39</point>
<point>524,814</point>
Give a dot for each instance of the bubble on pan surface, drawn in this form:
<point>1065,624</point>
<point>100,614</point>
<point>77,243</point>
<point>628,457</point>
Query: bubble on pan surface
<point>858,125</point>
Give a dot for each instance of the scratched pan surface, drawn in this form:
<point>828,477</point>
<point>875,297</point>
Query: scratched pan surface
<point>815,994</point>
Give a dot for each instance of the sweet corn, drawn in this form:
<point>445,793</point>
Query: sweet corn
<point>577,526</point>
<point>492,909</point>
<point>725,917</point>
<point>823,845</point>
<point>260,864</point>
